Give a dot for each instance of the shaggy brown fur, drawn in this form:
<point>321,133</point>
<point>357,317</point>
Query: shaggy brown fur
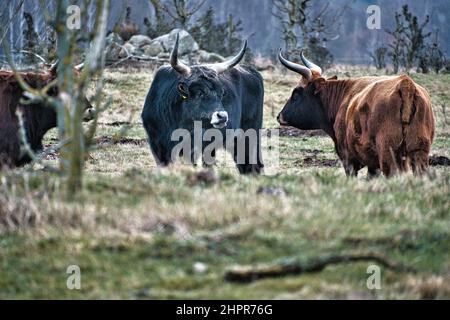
<point>384,123</point>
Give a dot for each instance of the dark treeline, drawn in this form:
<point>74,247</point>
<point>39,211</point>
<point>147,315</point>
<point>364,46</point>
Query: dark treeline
<point>340,34</point>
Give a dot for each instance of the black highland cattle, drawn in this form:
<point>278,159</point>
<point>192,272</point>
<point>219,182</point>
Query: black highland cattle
<point>222,96</point>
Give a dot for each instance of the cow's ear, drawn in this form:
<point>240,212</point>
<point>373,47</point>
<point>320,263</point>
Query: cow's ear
<point>183,90</point>
<point>333,78</point>
<point>318,85</point>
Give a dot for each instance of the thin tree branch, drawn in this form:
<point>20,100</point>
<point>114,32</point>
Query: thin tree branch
<point>8,24</point>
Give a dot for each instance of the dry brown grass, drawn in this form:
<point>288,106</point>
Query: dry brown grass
<point>147,225</point>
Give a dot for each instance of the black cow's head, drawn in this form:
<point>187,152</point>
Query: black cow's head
<point>304,109</point>
<point>89,110</point>
<point>201,91</point>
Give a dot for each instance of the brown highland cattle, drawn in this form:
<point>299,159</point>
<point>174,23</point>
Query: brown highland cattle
<point>385,123</point>
<point>38,118</point>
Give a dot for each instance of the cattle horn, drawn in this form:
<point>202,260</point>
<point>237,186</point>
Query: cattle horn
<point>310,65</point>
<point>226,65</point>
<point>54,67</point>
<point>79,67</point>
<point>304,71</point>
<point>177,64</point>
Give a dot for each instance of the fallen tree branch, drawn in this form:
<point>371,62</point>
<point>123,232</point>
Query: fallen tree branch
<point>293,266</point>
<point>138,58</point>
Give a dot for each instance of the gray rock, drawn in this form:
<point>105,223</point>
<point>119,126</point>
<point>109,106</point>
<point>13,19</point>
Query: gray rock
<point>140,40</point>
<point>262,64</point>
<point>153,49</point>
<point>114,52</point>
<point>113,38</point>
<point>131,49</point>
<point>187,42</point>
<point>209,57</point>
<point>164,55</point>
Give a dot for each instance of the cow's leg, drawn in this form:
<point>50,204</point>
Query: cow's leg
<point>10,149</point>
<point>373,172</point>
<point>259,166</point>
<point>388,155</point>
<point>161,153</point>
<point>211,145</point>
<point>351,171</point>
<point>208,160</point>
<point>351,168</point>
<point>388,163</point>
<point>249,162</point>
<point>418,149</point>
<point>419,161</point>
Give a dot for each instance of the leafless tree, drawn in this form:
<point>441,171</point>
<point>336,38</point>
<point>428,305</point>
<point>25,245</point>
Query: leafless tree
<point>180,11</point>
<point>4,30</point>
<point>160,24</point>
<point>128,28</point>
<point>408,42</point>
<point>415,36</point>
<point>432,56</point>
<point>306,26</point>
<point>70,102</point>
<point>397,45</point>
<point>217,37</point>
<point>379,57</point>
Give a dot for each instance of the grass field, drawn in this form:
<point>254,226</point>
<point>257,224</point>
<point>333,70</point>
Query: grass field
<point>141,232</point>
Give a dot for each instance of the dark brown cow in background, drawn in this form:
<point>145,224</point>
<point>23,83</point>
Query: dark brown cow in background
<point>383,122</point>
<point>38,118</point>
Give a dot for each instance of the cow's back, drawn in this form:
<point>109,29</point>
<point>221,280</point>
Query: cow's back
<point>348,107</point>
<point>249,83</point>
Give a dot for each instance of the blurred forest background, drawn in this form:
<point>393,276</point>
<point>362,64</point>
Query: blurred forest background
<point>341,27</point>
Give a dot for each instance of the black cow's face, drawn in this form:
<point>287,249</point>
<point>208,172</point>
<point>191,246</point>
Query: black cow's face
<point>89,110</point>
<point>46,116</point>
<point>303,110</point>
<point>202,101</point>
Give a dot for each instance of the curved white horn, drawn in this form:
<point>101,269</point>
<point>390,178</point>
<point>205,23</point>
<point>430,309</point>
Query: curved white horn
<point>310,65</point>
<point>226,65</point>
<point>304,71</point>
<point>177,64</point>
<point>54,67</point>
<point>79,67</point>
